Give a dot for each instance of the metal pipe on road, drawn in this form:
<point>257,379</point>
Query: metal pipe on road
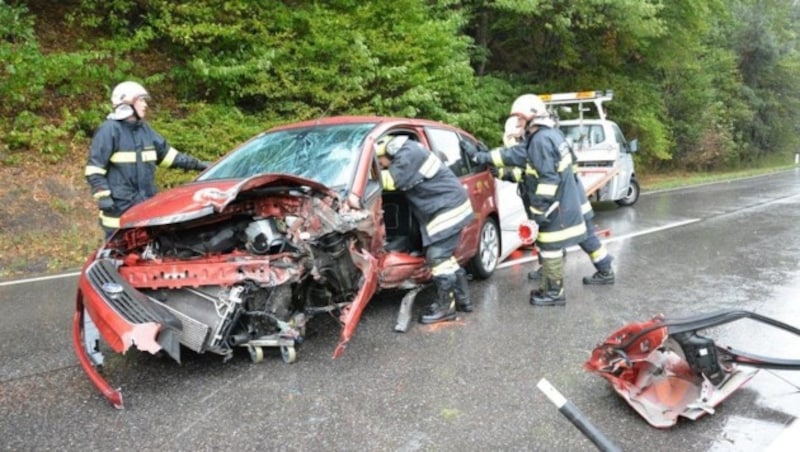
<point>571,412</point>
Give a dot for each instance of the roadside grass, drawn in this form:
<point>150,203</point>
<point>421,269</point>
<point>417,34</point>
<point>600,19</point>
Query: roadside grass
<point>666,181</point>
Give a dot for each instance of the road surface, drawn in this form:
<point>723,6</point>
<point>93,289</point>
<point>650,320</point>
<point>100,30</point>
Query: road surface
<point>466,385</point>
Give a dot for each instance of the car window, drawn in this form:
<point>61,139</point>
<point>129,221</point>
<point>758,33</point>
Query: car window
<point>445,143</point>
<point>326,154</point>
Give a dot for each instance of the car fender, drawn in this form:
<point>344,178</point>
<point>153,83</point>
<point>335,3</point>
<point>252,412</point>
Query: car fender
<point>351,314</point>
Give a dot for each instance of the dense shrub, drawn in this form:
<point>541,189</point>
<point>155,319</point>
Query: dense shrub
<point>700,84</point>
<point>22,81</point>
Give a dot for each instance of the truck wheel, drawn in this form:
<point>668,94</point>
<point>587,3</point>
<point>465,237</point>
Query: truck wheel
<point>484,262</point>
<point>632,196</point>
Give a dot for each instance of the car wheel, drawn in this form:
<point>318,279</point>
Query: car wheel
<point>484,262</point>
<point>632,196</point>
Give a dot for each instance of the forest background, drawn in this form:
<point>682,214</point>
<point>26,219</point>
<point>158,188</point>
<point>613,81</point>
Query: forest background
<point>709,85</point>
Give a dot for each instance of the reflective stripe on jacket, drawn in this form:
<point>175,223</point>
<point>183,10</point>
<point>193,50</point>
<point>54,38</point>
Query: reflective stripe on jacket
<point>123,159</point>
<point>438,199</point>
<point>548,177</point>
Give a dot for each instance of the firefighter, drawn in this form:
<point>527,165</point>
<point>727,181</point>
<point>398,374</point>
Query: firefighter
<point>552,195</point>
<point>592,246</point>
<point>123,156</point>
<point>441,205</point>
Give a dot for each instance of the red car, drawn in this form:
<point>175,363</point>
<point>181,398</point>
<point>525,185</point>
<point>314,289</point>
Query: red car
<point>291,224</point>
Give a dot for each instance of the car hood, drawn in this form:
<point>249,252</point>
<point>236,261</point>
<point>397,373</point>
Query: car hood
<point>199,199</point>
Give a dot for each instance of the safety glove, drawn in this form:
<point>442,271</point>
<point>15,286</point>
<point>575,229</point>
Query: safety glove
<point>105,203</point>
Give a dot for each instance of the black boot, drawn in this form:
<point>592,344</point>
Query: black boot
<point>463,301</point>
<point>552,295</point>
<point>437,313</point>
<point>600,277</point>
<point>444,308</point>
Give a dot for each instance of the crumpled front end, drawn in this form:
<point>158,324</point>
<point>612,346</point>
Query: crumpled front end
<point>251,274</point>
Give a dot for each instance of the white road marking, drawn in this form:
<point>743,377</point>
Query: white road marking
<point>40,278</point>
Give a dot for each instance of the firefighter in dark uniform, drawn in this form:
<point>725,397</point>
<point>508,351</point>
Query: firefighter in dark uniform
<point>592,246</point>
<point>552,195</point>
<point>441,205</point>
<point>123,156</point>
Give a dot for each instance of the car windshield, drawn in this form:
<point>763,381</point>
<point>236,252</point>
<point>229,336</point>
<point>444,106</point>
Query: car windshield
<point>326,154</point>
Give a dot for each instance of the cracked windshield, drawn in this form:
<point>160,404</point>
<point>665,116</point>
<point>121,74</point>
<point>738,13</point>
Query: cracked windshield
<point>326,154</point>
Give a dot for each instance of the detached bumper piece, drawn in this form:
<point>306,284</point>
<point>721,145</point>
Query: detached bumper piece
<point>664,369</point>
<point>123,317</point>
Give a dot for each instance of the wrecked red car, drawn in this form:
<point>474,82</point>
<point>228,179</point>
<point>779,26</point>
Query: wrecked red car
<point>290,224</point>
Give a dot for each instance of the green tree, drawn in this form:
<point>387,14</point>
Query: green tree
<point>303,60</point>
<point>764,34</point>
<point>698,80</point>
<point>545,47</point>
<point>701,84</point>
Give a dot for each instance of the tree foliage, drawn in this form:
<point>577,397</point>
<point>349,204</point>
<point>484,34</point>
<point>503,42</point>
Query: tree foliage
<point>702,85</point>
<point>301,60</point>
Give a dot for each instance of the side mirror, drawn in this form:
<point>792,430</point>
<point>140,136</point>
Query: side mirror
<point>633,145</point>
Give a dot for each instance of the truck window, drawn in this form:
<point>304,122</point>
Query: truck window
<point>584,136</point>
<point>620,138</point>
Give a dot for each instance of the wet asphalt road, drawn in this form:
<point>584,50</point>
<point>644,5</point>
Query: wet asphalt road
<point>466,385</point>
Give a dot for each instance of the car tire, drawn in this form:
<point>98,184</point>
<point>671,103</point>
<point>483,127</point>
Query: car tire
<point>485,261</point>
<point>632,196</point>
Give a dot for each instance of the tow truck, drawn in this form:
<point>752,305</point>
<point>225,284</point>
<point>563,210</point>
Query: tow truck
<point>599,144</point>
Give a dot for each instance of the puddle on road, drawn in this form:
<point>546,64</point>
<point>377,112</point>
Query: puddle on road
<point>776,391</point>
<point>743,434</point>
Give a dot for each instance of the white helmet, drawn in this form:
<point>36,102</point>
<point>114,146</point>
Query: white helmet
<point>531,108</point>
<point>122,98</point>
<point>389,145</point>
<point>126,93</point>
<point>513,131</point>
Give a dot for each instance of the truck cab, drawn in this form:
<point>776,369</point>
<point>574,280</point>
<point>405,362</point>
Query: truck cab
<point>598,143</point>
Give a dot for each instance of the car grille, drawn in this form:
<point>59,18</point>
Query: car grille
<point>132,305</point>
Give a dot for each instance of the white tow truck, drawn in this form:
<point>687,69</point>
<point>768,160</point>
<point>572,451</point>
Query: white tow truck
<point>605,162</point>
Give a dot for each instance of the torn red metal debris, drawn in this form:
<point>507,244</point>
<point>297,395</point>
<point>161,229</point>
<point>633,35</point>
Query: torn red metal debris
<point>664,369</point>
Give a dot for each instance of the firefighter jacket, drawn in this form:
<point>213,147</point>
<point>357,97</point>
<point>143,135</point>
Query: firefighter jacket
<point>547,177</point>
<point>517,175</point>
<point>438,199</point>
<point>122,163</point>
<point>586,206</point>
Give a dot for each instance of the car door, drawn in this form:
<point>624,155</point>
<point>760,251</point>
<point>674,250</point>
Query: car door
<point>625,162</point>
<point>511,213</point>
